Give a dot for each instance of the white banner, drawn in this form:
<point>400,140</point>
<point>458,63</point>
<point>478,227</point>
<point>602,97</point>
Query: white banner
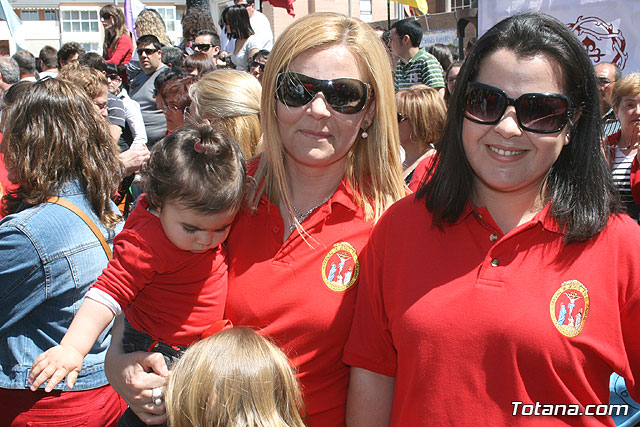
<point>609,29</point>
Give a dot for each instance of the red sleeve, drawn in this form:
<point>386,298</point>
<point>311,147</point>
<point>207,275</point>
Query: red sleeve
<point>635,181</point>
<point>370,344</point>
<point>124,50</point>
<point>132,268</point>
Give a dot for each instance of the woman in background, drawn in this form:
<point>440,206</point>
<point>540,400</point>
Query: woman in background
<point>624,144</point>
<point>247,42</point>
<point>175,99</point>
<point>118,47</point>
<point>230,99</point>
<point>198,64</point>
<point>422,114</point>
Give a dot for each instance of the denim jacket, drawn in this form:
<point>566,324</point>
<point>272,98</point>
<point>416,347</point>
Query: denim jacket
<point>48,260</point>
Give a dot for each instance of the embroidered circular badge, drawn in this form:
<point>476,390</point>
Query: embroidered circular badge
<point>340,267</point>
<point>569,307</point>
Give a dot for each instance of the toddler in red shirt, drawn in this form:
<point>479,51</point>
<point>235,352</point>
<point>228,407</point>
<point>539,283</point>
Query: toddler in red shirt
<point>169,272</point>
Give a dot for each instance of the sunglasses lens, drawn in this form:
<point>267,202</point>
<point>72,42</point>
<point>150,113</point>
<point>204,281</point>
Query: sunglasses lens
<point>348,96</point>
<point>291,91</point>
<point>545,113</point>
<point>484,105</point>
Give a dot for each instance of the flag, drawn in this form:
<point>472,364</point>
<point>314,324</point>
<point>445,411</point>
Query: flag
<point>285,4</point>
<point>132,9</point>
<point>608,29</point>
<point>14,23</point>
<point>419,4</point>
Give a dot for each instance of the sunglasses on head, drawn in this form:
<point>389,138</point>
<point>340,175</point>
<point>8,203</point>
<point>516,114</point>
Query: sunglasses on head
<point>204,47</point>
<point>147,51</point>
<point>536,112</point>
<point>344,95</point>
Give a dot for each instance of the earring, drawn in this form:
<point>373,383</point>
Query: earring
<point>364,133</point>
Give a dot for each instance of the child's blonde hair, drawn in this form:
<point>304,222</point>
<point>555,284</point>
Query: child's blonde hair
<point>234,378</point>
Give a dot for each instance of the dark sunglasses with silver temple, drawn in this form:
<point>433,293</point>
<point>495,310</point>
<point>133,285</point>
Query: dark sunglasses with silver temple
<point>344,95</point>
<point>536,112</point>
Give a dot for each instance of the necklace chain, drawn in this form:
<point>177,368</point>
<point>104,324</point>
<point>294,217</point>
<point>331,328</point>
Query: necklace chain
<point>302,216</point>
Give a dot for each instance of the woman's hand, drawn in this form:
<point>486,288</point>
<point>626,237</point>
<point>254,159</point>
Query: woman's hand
<point>134,376</point>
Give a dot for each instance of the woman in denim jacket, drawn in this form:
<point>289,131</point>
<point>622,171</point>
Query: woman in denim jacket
<point>56,144</point>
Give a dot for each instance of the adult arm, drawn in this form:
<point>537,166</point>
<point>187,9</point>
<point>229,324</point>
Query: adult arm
<point>134,157</point>
<point>124,48</point>
<point>135,375</point>
<point>369,399</point>
<point>135,121</point>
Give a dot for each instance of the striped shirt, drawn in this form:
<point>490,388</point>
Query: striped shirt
<point>422,68</point>
<point>610,124</point>
<point>621,173</point>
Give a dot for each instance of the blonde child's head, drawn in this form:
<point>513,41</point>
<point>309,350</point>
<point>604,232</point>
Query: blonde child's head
<point>234,378</point>
<point>198,166</point>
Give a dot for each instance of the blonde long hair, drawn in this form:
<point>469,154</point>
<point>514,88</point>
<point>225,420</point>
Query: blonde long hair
<point>233,378</point>
<point>373,167</point>
<point>230,99</point>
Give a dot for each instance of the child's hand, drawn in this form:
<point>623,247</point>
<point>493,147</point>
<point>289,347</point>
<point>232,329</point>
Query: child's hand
<point>55,364</point>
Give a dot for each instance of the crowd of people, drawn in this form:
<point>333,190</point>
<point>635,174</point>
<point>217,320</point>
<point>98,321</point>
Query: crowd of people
<point>231,231</point>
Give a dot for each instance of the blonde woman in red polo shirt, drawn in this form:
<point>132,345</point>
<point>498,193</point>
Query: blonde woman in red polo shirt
<point>508,290</point>
<point>330,167</point>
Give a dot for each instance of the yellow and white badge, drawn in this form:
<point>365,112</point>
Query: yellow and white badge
<point>340,267</point>
<point>569,308</point>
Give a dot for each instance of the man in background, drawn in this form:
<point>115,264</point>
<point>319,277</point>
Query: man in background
<point>27,64</point>
<point>48,58</point>
<point>607,74</point>
<point>415,65</point>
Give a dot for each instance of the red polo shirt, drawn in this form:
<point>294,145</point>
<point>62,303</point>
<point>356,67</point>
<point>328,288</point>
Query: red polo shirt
<point>302,294</point>
<point>468,319</point>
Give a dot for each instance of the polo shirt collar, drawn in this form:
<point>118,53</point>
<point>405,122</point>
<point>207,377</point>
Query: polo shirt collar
<point>543,218</point>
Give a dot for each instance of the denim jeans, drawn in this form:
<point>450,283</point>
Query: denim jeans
<point>134,340</point>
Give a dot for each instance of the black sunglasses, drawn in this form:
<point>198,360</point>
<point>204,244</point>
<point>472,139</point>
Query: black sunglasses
<point>257,64</point>
<point>345,95</point>
<point>204,47</point>
<point>536,112</point>
<point>147,51</point>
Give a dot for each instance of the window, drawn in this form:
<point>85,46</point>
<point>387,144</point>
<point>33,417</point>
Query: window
<point>460,4</point>
<point>169,16</point>
<point>92,47</point>
<point>50,15</point>
<point>365,10</point>
<point>80,21</point>
<point>29,15</point>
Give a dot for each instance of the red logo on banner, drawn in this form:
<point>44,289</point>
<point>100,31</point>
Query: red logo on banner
<point>603,42</point>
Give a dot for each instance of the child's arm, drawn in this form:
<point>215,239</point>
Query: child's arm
<point>66,358</point>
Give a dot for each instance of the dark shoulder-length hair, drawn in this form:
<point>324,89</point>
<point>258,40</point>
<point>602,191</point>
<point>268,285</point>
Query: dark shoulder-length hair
<point>578,185</point>
<point>237,18</point>
<point>53,135</point>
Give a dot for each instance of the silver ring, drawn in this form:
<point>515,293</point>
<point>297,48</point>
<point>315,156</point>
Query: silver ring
<point>156,396</point>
